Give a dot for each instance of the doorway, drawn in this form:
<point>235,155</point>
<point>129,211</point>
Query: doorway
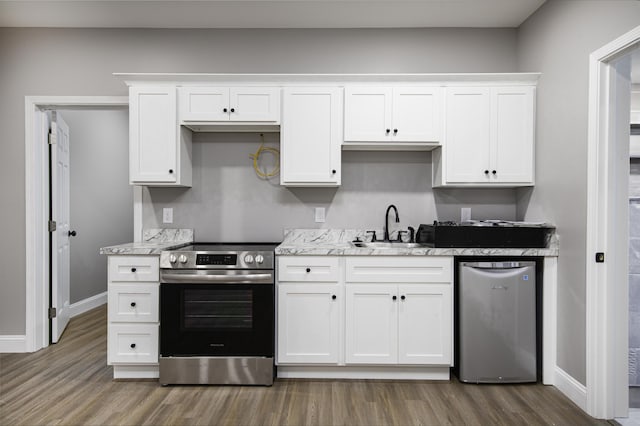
<point>37,209</point>
<point>608,228</point>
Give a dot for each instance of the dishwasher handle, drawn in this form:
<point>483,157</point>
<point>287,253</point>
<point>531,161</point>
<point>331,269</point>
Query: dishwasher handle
<point>497,265</point>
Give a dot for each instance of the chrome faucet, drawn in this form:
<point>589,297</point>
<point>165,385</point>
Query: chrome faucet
<point>386,222</point>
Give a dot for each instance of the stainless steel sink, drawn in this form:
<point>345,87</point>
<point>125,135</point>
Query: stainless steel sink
<point>387,245</point>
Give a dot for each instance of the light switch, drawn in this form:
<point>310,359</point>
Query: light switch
<point>465,214</point>
<point>319,214</point>
<point>167,215</point>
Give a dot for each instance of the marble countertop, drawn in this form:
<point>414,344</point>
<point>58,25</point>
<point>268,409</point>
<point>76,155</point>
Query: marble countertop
<point>336,242</point>
<point>154,241</point>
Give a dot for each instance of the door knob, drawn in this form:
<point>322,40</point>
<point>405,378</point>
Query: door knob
<point>72,233</point>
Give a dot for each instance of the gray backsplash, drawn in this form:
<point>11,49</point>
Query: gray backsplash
<point>228,202</point>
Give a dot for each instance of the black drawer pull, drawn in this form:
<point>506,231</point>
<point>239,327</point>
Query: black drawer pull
<point>133,346</point>
<point>133,304</point>
<point>308,269</point>
<point>133,269</point>
<point>334,297</point>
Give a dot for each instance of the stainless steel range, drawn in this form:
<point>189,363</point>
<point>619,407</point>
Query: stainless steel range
<point>217,314</point>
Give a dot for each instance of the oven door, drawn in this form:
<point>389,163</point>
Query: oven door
<point>217,313</point>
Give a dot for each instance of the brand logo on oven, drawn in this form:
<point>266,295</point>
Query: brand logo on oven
<point>216,345</point>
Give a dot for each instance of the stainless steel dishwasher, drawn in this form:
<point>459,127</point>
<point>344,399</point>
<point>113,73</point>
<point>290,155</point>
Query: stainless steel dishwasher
<point>497,322</point>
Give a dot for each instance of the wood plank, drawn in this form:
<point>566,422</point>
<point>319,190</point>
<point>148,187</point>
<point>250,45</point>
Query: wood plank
<point>70,383</point>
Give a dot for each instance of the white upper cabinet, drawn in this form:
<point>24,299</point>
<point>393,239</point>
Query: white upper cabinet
<point>237,104</point>
<point>310,137</point>
<point>158,149</point>
<point>392,116</point>
<point>489,137</point>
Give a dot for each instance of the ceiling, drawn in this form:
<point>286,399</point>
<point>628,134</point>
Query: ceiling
<point>266,13</point>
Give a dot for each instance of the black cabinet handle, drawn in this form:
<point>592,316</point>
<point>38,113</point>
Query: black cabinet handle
<point>388,130</point>
<point>334,297</point>
<point>72,233</point>
<point>493,172</point>
<point>402,297</point>
<point>486,172</point>
<point>395,131</point>
<point>133,269</point>
<point>308,269</point>
<point>133,346</point>
<point>224,110</point>
<point>333,172</point>
<point>133,304</point>
<point>170,171</point>
<point>395,297</point>
<point>233,110</point>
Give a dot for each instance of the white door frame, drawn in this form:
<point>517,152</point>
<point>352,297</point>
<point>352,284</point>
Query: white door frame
<point>607,312</point>
<point>37,207</point>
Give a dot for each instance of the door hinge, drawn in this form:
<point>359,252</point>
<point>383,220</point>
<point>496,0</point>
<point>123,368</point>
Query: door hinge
<point>52,139</point>
<point>52,313</point>
<point>52,225</point>
<point>599,257</point>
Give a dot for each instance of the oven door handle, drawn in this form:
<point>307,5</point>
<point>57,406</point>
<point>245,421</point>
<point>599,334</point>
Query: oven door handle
<point>216,278</point>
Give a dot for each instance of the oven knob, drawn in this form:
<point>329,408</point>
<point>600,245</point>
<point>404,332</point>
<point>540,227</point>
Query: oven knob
<point>248,259</point>
<point>259,259</point>
<point>182,258</point>
<point>173,258</point>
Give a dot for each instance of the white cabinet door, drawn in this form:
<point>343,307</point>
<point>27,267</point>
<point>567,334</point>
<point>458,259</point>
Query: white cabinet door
<point>466,148</point>
<point>371,324</point>
<point>512,134</point>
<point>367,112</point>
<point>254,104</point>
<point>416,114</point>
<point>153,135</point>
<point>308,323</point>
<point>425,324</point>
<point>311,136</point>
<point>204,103</point>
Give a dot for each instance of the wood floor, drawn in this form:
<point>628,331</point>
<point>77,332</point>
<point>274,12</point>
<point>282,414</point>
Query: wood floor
<point>70,384</point>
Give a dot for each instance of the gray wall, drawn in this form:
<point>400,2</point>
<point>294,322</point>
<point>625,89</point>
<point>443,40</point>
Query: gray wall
<point>100,195</point>
<point>80,62</point>
<point>557,41</point>
<point>228,202</point>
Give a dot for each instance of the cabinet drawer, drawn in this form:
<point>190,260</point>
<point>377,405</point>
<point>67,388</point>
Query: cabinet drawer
<point>134,268</point>
<point>308,268</point>
<point>133,302</point>
<point>399,269</point>
<point>132,344</point>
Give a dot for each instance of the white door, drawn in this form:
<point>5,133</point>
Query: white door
<point>308,323</point>
<point>254,104</point>
<point>371,324</point>
<point>60,248</point>
<point>416,114</point>
<point>204,103</point>
<point>467,135</point>
<point>425,324</point>
<point>367,114</point>
<point>311,136</point>
<point>512,130</point>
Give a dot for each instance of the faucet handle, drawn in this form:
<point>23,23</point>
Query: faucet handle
<point>374,238</point>
<point>399,239</point>
<point>412,234</point>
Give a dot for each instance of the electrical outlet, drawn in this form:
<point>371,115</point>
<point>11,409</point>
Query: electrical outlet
<point>319,214</point>
<point>167,215</point>
<point>465,214</point>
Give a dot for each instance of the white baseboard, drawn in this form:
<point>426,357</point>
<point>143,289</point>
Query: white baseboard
<point>571,388</point>
<point>13,343</point>
<point>88,304</point>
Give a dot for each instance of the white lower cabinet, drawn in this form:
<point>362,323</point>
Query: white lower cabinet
<point>372,317</point>
<point>133,316</point>
<point>309,323</point>
<point>398,324</point>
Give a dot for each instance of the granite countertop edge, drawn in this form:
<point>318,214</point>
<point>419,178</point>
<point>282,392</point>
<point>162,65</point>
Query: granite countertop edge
<point>154,241</point>
<point>311,250</point>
